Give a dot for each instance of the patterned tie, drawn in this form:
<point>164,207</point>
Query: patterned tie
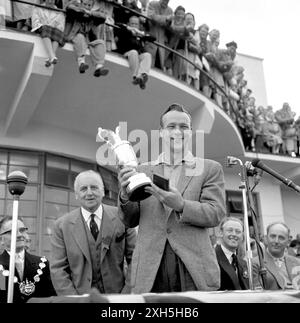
<point>93,227</point>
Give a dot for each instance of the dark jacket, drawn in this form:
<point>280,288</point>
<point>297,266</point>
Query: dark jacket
<point>127,41</point>
<point>43,288</point>
<point>229,279</point>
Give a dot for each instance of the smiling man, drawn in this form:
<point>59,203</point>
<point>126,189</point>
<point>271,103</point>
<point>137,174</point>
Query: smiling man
<point>234,273</point>
<point>90,243</point>
<point>32,274</point>
<point>173,251</point>
<point>282,269</point>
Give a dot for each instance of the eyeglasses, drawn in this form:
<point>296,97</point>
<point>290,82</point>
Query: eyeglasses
<point>21,230</point>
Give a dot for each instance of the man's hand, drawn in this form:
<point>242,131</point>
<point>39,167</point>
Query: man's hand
<point>123,177</point>
<point>171,198</point>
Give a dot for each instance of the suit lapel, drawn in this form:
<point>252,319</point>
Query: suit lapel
<point>107,228</point>
<point>224,263</point>
<point>30,267</point>
<point>273,269</point>
<point>5,262</point>
<point>79,235</point>
<point>183,180</point>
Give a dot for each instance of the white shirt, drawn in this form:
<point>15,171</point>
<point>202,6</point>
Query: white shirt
<point>19,259</point>
<point>227,253</point>
<point>98,216</point>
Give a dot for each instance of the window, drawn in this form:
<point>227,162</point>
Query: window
<point>235,208</point>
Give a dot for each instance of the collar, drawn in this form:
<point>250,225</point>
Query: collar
<point>276,259</point>
<point>228,253</point>
<point>189,160</point>
<point>86,214</point>
<point>20,255</point>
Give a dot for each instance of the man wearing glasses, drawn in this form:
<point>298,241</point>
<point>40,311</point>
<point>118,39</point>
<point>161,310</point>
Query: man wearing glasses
<point>32,274</point>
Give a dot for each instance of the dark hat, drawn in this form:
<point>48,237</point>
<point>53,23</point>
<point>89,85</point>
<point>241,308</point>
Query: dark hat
<point>233,43</point>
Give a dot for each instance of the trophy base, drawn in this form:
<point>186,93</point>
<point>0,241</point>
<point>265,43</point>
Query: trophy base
<point>135,188</point>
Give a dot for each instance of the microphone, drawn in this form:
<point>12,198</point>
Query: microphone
<point>231,161</point>
<point>253,171</point>
<point>259,164</point>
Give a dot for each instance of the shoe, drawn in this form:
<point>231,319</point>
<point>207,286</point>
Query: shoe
<point>48,63</point>
<point>135,80</point>
<point>143,79</point>
<point>101,71</point>
<point>83,67</point>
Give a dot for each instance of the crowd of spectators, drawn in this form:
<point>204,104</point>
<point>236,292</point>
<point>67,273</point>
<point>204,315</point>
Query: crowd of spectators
<point>262,129</point>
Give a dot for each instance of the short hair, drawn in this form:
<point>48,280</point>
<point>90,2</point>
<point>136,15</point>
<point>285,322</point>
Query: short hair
<point>230,218</point>
<point>179,8</point>
<point>175,107</point>
<point>88,172</point>
<point>279,222</point>
<point>7,218</point>
<point>191,14</point>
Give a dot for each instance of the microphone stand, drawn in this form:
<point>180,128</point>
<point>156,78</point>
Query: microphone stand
<point>262,268</point>
<point>243,174</point>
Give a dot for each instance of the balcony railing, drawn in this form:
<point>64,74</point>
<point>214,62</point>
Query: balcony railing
<point>229,102</point>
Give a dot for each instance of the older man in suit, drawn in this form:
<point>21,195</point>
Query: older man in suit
<point>234,272</point>
<point>283,270</point>
<point>90,243</point>
<point>173,250</point>
<point>32,274</point>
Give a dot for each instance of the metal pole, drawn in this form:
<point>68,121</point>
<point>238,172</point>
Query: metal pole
<point>10,293</point>
<point>247,235</point>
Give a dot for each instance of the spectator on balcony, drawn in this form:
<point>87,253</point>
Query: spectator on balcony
<point>272,132</point>
<point>285,118</point>
<point>204,80</point>
<point>82,29</point>
<point>22,15</point>
<point>187,71</point>
<point>50,25</point>
<point>161,17</point>
<point>176,41</point>
<point>211,56</point>
<point>106,30</point>
<point>132,45</point>
<point>121,15</point>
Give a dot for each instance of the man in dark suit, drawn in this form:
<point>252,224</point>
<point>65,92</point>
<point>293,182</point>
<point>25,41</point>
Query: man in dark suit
<point>90,243</point>
<point>234,273</point>
<point>173,251</point>
<point>32,274</point>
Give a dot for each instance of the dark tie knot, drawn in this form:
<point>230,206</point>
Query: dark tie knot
<point>94,227</point>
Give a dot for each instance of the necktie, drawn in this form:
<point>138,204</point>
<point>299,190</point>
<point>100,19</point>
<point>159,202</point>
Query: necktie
<point>93,227</point>
<point>19,267</point>
<point>234,262</point>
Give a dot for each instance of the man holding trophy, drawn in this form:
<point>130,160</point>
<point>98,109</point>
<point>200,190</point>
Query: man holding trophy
<point>173,251</point>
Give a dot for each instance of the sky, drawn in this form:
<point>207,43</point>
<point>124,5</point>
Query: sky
<point>268,29</point>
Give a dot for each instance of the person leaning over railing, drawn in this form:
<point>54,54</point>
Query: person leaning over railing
<point>82,30</point>
<point>50,25</point>
<point>132,45</point>
<point>188,72</point>
<point>106,31</point>
<point>160,15</point>
<point>176,34</point>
